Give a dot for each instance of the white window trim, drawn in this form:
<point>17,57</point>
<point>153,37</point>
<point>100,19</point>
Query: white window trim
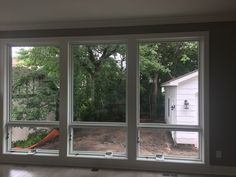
<point>88,124</point>
<point>202,38</point>
<point>132,95</point>
<point>7,123</point>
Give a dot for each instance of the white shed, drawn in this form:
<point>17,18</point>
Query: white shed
<point>181,106</point>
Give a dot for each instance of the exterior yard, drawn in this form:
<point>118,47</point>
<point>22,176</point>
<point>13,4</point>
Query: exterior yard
<point>152,142</point>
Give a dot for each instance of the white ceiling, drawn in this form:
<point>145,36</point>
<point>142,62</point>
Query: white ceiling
<point>35,13</point>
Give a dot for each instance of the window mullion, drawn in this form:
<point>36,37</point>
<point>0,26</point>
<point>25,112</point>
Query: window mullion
<point>65,85</point>
<point>132,98</point>
<point>4,91</point>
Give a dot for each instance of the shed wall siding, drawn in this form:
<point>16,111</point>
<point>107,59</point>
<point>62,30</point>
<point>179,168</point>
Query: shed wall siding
<point>187,90</point>
<point>170,93</point>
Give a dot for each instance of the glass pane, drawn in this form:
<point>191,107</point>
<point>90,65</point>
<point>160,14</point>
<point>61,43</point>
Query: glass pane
<point>34,84</point>
<point>100,140</point>
<point>169,82</point>
<point>159,143</point>
<point>99,82</point>
<point>28,138</point>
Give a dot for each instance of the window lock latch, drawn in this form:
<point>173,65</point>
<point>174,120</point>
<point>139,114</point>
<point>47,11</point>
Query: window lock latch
<point>7,137</point>
<point>70,137</point>
<point>138,140</point>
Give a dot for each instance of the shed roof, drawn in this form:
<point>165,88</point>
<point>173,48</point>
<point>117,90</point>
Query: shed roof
<point>178,80</point>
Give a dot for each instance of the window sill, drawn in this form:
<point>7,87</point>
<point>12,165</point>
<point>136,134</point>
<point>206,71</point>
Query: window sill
<point>168,160</point>
<point>98,156</point>
<point>32,154</point>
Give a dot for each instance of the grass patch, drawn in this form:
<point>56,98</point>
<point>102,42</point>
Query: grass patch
<point>32,138</point>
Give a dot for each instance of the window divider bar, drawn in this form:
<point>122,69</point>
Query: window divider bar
<point>170,127</point>
<point>64,105</point>
<point>97,124</point>
<point>32,124</point>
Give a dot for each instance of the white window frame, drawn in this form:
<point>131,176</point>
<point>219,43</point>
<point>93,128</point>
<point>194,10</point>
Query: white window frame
<point>131,162</point>
<point>91,124</point>
<point>201,82</point>
<point>8,124</point>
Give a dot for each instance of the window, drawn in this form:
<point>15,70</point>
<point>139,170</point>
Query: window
<point>98,126</point>
<point>169,122</point>
<point>161,144</point>
<point>34,86</point>
<point>33,139</point>
<point>130,99</point>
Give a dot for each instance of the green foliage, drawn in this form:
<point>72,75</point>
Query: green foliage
<point>99,79</point>
<point>35,84</point>
<point>99,82</point>
<point>160,62</point>
<point>32,138</point>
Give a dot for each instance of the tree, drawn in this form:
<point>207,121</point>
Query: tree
<point>159,62</point>
<point>35,84</point>
<point>99,82</point>
<point>99,79</point>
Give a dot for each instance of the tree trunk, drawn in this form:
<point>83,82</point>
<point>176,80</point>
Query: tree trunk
<point>57,108</point>
<point>92,87</point>
<point>154,98</point>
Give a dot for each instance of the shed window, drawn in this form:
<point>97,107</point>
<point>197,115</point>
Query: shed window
<point>168,106</point>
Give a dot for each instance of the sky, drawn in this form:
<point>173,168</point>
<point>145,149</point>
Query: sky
<point>15,50</point>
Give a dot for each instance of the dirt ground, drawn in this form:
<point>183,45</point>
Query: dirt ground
<point>151,142</point>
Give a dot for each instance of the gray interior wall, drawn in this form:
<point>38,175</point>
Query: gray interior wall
<point>223,94</point>
<point>222,74</point>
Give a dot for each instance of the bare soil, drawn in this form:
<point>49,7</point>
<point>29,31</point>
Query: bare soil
<point>151,142</point>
